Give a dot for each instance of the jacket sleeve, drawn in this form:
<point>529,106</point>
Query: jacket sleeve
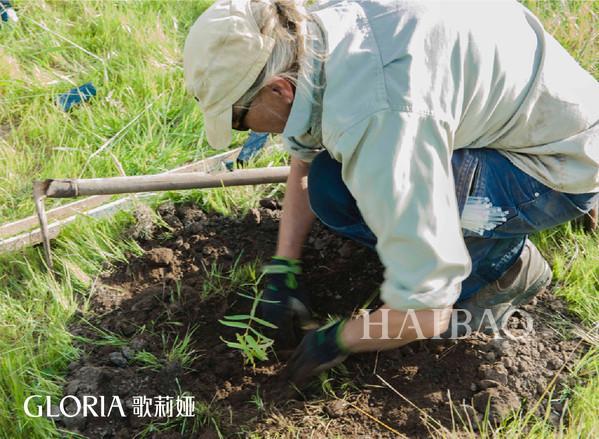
<point>397,165</point>
<point>304,148</point>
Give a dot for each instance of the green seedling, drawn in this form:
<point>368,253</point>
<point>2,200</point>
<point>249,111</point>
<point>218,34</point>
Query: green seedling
<point>147,360</point>
<point>181,352</point>
<point>105,337</point>
<point>216,280</point>
<point>219,282</point>
<point>257,400</point>
<point>175,296</point>
<point>252,344</point>
<point>206,415</point>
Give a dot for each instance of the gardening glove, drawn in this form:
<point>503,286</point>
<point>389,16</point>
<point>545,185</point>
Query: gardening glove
<point>321,349</point>
<point>283,302</point>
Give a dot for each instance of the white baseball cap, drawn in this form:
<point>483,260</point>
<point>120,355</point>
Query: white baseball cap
<point>223,56</point>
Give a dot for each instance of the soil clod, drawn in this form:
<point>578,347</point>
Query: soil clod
<point>270,204</point>
<point>117,359</point>
<point>160,256</point>
<point>335,408</point>
<point>501,401</point>
<point>144,226</point>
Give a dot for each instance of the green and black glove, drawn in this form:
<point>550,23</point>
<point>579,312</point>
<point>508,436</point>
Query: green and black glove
<point>321,349</point>
<point>284,304</point>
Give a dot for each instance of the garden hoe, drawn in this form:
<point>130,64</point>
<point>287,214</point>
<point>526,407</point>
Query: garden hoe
<point>70,188</point>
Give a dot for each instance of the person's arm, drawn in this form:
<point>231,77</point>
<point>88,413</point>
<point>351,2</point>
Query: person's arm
<point>297,218</point>
<point>285,304</point>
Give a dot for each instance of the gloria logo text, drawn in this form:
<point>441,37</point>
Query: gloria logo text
<point>71,406</point>
<point>102,406</point>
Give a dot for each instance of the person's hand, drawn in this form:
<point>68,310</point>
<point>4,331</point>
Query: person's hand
<point>283,302</point>
<point>321,349</point>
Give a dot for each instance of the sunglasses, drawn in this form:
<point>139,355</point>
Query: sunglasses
<point>239,114</point>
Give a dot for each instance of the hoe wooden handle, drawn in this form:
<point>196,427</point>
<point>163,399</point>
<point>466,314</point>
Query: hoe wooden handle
<point>67,188</point>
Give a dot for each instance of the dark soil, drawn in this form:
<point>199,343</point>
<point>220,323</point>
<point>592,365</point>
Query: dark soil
<point>157,298</point>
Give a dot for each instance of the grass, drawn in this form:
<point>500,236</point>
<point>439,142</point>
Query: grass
<point>573,256</point>
<point>204,415</point>
<point>240,200</point>
<point>141,121</point>
<point>180,351</point>
<point>35,308</point>
<point>141,118</point>
<point>238,277</point>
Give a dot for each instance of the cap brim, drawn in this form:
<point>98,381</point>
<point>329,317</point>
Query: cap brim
<point>218,128</point>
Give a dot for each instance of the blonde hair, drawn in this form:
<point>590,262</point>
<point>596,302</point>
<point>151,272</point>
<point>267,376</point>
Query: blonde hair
<point>285,21</point>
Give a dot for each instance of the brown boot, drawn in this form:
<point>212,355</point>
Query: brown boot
<point>493,304</point>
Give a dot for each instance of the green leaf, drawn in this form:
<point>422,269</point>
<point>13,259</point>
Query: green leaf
<point>264,322</point>
<point>234,345</point>
<point>257,349</point>
<point>267,301</point>
<point>247,296</point>
<point>234,324</point>
<point>238,317</point>
<point>241,340</point>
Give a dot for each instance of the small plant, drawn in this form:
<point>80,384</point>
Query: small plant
<point>105,337</point>
<point>148,360</point>
<point>180,351</point>
<point>252,344</point>
<point>238,276</point>
<point>215,281</point>
<point>175,296</point>
<point>257,400</point>
<point>204,416</point>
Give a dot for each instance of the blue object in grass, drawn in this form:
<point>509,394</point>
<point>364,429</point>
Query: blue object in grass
<point>7,12</point>
<point>76,96</point>
<point>251,147</point>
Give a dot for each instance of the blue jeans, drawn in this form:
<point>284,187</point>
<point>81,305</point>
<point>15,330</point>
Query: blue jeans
<point>530,205</point>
